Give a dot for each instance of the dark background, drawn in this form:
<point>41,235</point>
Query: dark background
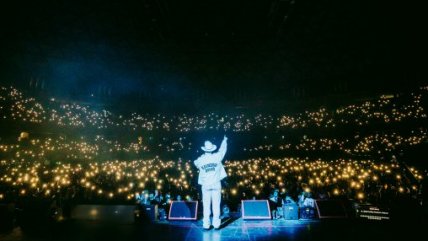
<point>238,53</point>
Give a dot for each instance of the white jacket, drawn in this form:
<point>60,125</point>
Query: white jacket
<point>211,169</point>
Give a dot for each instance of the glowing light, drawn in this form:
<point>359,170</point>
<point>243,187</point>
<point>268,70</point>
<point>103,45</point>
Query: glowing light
<point>93,212</point>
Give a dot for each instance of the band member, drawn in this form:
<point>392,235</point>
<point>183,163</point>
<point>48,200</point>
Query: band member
<point>275,204</point>
<point>211,172</point>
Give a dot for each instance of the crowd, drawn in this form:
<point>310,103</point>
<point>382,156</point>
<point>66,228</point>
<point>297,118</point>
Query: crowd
<point>92,155</point>
<point>16,106</point>
<point>247,178</point>
<point>101,148</point>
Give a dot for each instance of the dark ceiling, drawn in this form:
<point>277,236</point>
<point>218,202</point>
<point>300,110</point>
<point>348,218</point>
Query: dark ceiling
<point>267,49</point>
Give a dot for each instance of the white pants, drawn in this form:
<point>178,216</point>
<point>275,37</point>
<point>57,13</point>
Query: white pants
<point>211,194</point>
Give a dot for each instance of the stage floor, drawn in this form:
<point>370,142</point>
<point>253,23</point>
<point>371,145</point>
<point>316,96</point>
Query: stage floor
<point>234,229</point>
<point>238,229</point>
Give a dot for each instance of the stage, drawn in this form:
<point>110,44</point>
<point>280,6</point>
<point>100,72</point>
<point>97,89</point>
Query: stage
<point>232,229</point>
<point>238,229</point>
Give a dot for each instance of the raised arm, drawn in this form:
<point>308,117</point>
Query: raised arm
<point>223,148</point>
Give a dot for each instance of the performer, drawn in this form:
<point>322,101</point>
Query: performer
<point>211,172</point>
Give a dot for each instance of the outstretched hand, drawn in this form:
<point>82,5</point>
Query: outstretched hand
<point>225,138</point>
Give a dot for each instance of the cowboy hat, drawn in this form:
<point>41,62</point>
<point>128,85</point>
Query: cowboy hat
<point>208,146</point>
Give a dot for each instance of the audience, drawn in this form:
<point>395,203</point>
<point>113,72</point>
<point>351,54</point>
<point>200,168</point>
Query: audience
<point>93,155</point>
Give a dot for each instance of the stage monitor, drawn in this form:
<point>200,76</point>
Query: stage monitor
<point>183,210</point>
<point>255,209</point>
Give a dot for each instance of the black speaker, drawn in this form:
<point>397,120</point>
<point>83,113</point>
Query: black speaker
<point>291,211</point>
<point>330,209</point>
<point>307,213</point>
<point>255,209</point>
<point>104,213</point>
<point>183,210</point>
<point>148,213</point>
<point>6,217</point>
